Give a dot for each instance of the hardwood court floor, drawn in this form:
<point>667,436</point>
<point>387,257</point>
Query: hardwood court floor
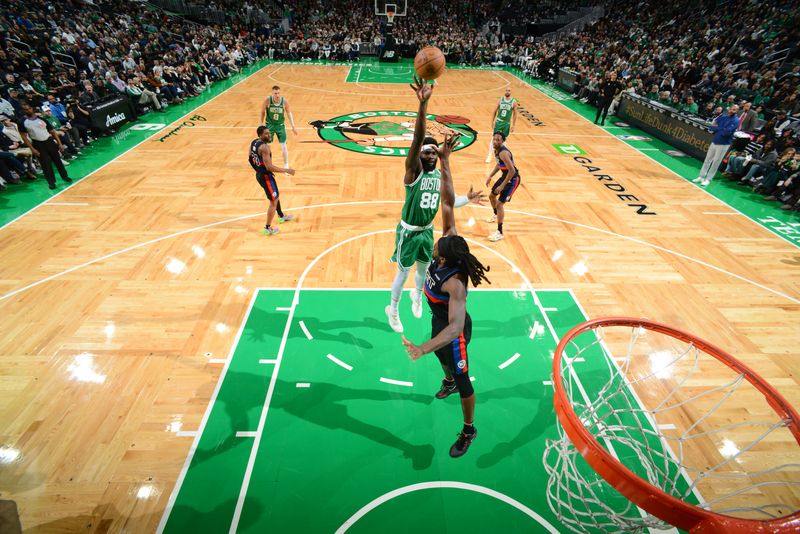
<point>115,313</point>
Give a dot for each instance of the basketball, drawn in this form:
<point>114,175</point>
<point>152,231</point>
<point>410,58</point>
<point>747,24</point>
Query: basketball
<point>429,63</point>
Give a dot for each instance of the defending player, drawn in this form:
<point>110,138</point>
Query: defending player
<point>503,189</point>
<point>414,235</point>
<point>504,119</point>
<point>260,158</point>
<point>448,275</point>
<point>275,108</point>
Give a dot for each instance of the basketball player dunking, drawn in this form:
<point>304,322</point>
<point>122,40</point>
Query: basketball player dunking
<point>275,109</point>
<point>260,158</point>
<point>414,234</point>
<point>448,275</point>
<point>503,119</point>
<point>503,189</point>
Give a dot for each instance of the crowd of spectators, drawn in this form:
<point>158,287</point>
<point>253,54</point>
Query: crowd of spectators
<point>697,58</point>
<point>63,59</point>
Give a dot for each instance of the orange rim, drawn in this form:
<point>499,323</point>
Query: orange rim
<point>648,497</point>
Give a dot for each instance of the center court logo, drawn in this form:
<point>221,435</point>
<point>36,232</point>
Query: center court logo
<point>388,133</point>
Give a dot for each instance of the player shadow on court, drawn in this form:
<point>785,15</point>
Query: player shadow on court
<point>273,324</point>
<point>487,329</point>
<point>530,431</point>
<point>217,519</point>
<point>322,405</point>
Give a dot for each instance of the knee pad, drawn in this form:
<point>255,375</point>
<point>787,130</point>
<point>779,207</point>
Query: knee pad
<point>464,386</point>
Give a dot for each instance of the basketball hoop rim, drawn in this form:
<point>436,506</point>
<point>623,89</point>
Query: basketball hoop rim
<point>648,497</point>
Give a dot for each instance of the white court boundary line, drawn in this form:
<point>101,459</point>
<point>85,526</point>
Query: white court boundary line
<point>237,513</point>
<point>339,362</point>
<point>396,382</point>
<point>445,484</point>
<point>276,370</point>
<point>368,202</point>
<point>511,360</point>
<point>199,432</point>
<point>641,151</point>
<point>109,162</point>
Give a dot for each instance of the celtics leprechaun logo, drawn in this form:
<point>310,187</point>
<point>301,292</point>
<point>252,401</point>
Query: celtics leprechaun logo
<point>388,133</point>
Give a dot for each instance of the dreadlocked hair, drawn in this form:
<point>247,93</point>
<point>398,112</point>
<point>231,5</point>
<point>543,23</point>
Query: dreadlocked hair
<point>456,252</point>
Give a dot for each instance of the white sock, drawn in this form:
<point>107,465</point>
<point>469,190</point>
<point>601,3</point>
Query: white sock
<point>285,154</point>
<point>397,288</point>
<point>419,277</point>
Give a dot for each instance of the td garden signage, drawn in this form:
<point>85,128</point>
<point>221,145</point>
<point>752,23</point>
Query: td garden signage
<point>388,133</point>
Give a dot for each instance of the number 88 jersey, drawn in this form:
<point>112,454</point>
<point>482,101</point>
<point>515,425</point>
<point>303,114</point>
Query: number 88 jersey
<point>422,199</point>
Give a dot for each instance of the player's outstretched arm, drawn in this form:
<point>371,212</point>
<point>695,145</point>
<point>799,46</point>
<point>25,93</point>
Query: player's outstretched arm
<point>266,157</point>
<point>456,317</point>
<point>423,91</point>
<point>447,193</point>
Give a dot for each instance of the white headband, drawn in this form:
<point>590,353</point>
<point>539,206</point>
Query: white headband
<point>426,147</point>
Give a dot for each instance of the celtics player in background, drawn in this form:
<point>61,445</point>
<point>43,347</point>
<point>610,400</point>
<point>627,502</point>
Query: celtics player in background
<point>275,109</point>
<point>503,119</point>
<point>414,235</point>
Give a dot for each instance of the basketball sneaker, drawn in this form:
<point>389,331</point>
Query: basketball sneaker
<point>462,444</point>
<point>697,180</point>
<point>446,390</point>
<point>286,218</point>
<point>704,183</point>
<point>416,303</point>
<point>394,320</point>
<point>489,158</point>
<point>496,236</point>
<point>269,231</point>
<point>492,219</point>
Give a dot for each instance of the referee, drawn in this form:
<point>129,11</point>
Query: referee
<point>46,146</point>
<point>609,89</point>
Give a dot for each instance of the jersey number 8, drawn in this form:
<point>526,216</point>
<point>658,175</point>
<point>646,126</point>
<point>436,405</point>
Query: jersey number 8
<point>429,200</point>
<point>275,116</point>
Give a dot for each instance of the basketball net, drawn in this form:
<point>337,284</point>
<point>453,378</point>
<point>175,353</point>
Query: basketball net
<point>657,427</point>
<point>390,15</point>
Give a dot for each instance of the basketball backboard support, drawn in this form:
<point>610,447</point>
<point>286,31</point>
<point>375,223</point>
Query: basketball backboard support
<point>398,7</point>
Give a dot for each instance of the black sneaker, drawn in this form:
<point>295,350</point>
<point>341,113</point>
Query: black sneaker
<point>446,390</point>
<point>462,444</point>
<point>68,180</point>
